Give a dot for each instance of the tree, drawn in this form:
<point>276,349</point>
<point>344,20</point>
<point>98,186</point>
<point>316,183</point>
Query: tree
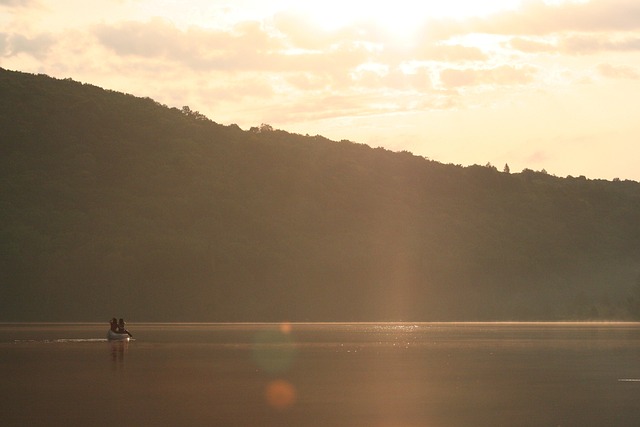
<point>191,113</point>
<point>506,168</point>
<point>264,127</point>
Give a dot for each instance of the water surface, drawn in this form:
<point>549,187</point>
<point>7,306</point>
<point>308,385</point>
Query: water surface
<point>368,374</point>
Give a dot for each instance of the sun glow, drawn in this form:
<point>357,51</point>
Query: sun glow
<point>400,16</point>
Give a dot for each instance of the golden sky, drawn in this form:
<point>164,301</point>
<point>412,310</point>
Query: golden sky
<point>536,84</point>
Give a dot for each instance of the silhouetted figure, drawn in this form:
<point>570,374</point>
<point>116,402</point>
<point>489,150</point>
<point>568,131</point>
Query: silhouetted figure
<point>114,325</point>
<point>122,329</point>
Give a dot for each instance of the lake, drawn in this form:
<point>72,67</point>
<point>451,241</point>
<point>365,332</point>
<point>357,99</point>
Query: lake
<point>322,374</point>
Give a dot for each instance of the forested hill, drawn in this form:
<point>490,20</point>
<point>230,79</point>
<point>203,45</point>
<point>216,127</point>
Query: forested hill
<point>113,205</point>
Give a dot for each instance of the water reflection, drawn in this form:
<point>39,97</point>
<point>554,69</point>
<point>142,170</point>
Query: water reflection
<point>322,374</point>
<point>118,351</point>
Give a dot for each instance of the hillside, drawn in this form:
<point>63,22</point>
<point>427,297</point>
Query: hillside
<point>113,205</point>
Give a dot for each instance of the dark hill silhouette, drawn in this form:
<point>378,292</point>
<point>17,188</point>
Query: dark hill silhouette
<point>111,203</point>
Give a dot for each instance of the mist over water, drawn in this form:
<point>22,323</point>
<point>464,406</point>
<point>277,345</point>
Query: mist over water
<point>365,374</point>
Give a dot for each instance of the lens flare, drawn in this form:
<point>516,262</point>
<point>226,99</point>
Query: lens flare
<point>285,328</point>
<point>274,351</point>
<point>280,394</point>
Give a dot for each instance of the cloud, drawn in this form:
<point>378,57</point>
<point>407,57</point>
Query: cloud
<point>15,44</point>
<point>352,104</point>
<point>243,47</point>
<point>537,157</point>
<point>17,3</point>
<point>418,80</point>
<point>329,105</point>
<point>618,72</point>
<point>531,46</point>
<point>589,44</point>
<point>309,81</point>
<point>537,18</point>
<point>502,75</point>
<point>237,90</point>
<point>448,53</point>
<point>246,47</point>
<point>581,44</point>
<point>287,59</point>
<point>302,32</point>
<point>384,78</point>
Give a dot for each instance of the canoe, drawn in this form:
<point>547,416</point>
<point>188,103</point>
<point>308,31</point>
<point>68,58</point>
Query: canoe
<point>115,336</point>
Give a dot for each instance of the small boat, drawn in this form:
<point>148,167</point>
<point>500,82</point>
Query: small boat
<point>117,336</point>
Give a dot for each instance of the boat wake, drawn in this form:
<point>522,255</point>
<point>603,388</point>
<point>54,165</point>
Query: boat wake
<point>63,340</point>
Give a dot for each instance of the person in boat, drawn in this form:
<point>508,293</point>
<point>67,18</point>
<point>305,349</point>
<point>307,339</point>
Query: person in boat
<point>121,329</point>
<point>114,325</point>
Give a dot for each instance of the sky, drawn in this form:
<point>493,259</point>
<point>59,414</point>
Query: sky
<point>541,85</point>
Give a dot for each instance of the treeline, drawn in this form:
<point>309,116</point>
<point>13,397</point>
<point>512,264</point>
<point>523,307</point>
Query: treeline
<point>111,203</point>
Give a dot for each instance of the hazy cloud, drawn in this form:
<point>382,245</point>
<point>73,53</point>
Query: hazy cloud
<point>331,105</point>
<point>247,63</point>
<point>302,32</point>
<point>537,157</point>
<point>502,75</point>
<point>13,3</point>
<point>308,81</point>
<point>239,90</point>
<point>15,44</point>
<point>449,53</point>
<point>394,79</point>
<point>244,47</point>
<point>582,44</point>
<point>539,18</point>
<point>531,46</point>
<point>247,47</point>
<point>618,72</point>
<point>588,44</point>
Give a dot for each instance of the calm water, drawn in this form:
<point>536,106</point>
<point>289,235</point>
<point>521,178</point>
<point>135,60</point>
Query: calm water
<point>428,374</point>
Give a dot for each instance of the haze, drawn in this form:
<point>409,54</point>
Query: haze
<point>538,85</point>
